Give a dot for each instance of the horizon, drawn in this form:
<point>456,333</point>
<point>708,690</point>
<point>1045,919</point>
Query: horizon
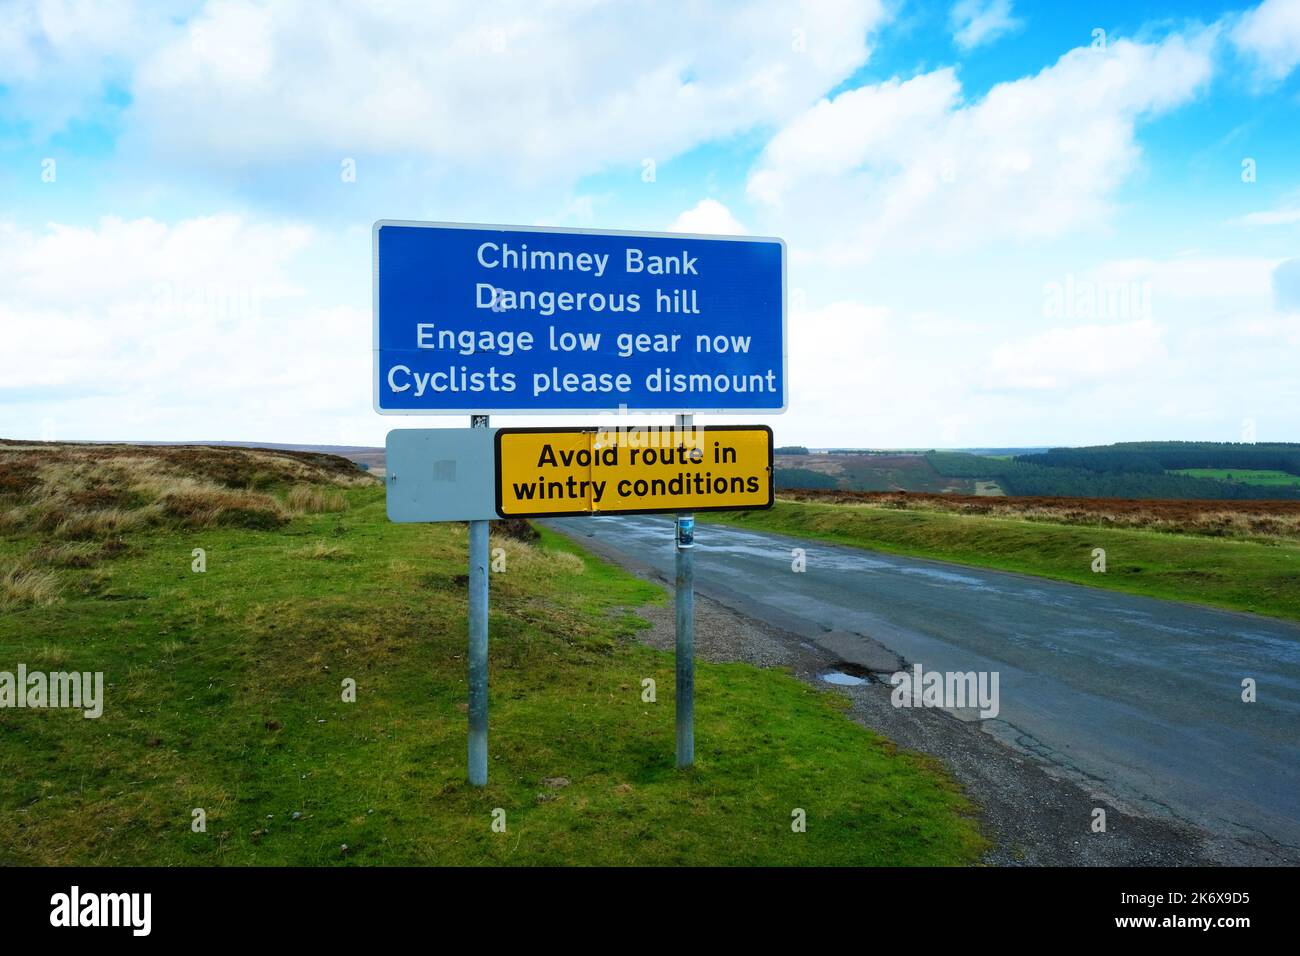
<point>777,444</point>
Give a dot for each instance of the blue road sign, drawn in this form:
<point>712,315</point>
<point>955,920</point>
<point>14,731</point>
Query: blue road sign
<point>475,319</point>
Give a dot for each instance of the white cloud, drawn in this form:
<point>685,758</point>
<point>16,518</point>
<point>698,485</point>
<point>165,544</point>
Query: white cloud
<point>1280,331</point>
<point>859,127</point>
<point>200,329</point>
<point>58,57</point>
<point>1063,358</point>
<point>129,262</point>
<point>910,164</point>
<point>1270,35</point>
<point>976,22</point>
<point>962,364</point>
<point>1286,286</point>
<point>709,217</point>
<point>842,341</point>
<point>532,90</point>
<point>1269,217</point>
<point>1217,281</point>
<point>1209,348</point>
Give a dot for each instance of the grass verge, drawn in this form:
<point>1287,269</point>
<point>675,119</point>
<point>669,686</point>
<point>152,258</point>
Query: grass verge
<point>1239,574</point>
<point>224,693</point>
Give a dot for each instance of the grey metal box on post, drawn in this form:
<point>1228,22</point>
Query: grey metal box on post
<point>441,474</point>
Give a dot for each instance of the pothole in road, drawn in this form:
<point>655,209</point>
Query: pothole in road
<point>847,675</point>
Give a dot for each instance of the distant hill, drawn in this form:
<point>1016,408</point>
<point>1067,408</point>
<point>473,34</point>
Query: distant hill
<point>1226,471</point>
<point>799,449</point>
<point>877,471</point>
<point>369,457</point>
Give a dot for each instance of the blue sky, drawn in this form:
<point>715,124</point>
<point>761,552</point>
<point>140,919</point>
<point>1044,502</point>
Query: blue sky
<point>1009,224</point>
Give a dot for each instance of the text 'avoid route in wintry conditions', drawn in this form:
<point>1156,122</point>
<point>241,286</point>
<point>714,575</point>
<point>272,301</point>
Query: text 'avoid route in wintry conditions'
<point>575,471</point>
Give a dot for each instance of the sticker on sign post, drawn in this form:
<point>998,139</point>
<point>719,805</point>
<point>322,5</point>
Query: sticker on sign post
<point>556,472</point>
<point>478,319</point>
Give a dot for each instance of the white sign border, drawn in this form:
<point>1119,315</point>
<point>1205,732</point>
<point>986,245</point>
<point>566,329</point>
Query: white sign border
<point>374,375</point>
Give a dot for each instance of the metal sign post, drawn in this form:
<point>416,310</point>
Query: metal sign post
<point>478,642</point>
<point>685,650</point>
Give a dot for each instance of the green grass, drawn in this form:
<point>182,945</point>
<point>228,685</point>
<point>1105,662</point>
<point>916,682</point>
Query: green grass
<point>1246,475</point>
<point>224,693</point>
<point>1243,575</point>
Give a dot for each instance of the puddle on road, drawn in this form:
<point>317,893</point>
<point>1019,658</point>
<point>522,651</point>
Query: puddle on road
<point>841,679</point>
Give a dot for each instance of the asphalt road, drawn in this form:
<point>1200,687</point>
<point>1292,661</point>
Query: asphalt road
<point>1136,698</point>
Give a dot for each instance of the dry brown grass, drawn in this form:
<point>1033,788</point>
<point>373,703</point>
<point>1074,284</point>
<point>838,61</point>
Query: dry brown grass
<point>82,499</point>
<point>68,554</point>
<point>20,585</point>
<point>521,556</point>
<point>211,507</point>
<point>1267,520</point>
<point>75,525</point>
<point>104,474</point>
<point>313,499</point>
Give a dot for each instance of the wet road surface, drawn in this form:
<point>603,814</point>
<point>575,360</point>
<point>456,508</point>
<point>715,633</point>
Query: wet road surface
<point>1139,698</point>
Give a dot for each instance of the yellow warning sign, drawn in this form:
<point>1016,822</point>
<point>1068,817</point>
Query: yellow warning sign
<point>544,472</point>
